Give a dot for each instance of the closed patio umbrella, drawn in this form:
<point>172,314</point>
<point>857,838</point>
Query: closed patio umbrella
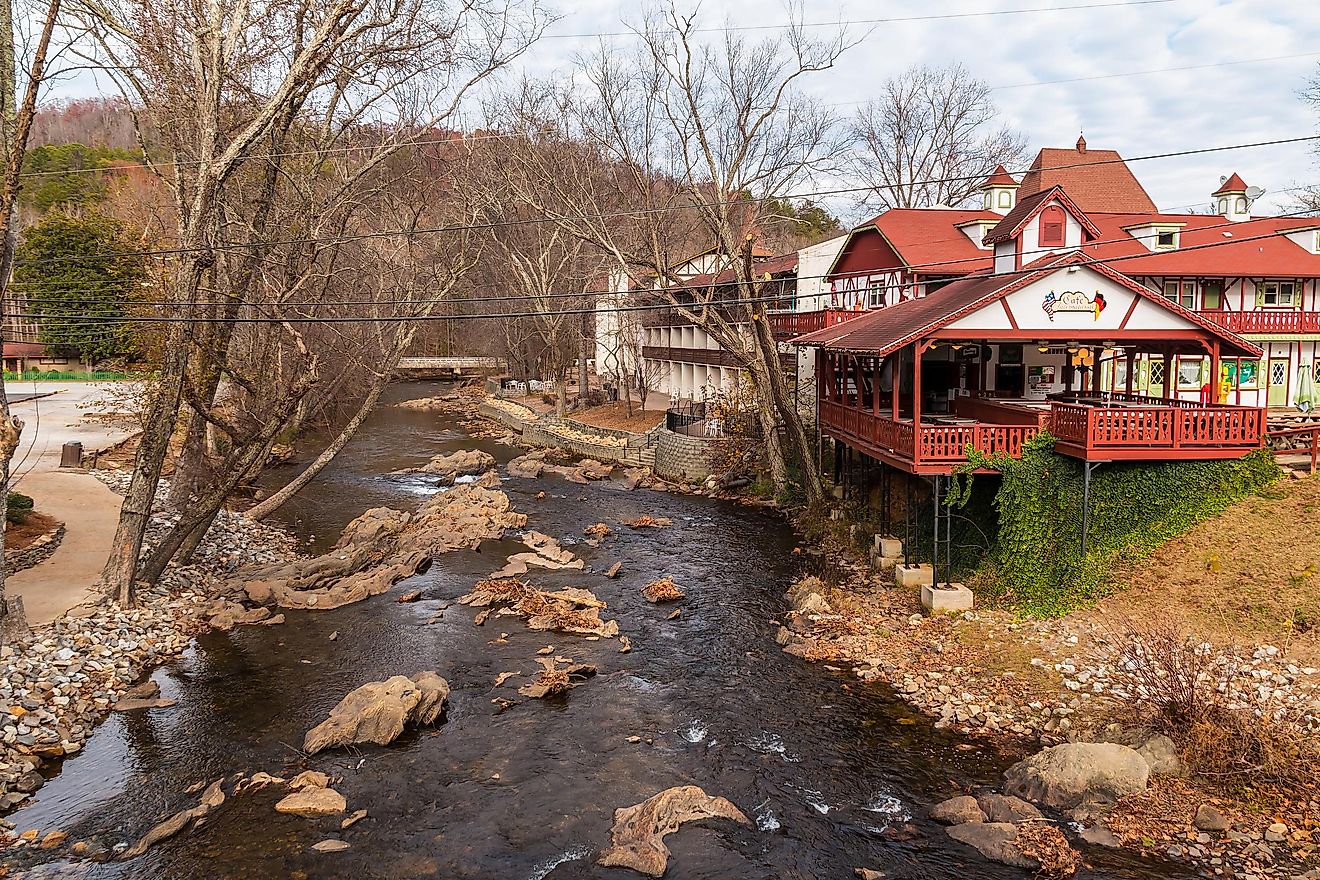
<point>1304,400</point>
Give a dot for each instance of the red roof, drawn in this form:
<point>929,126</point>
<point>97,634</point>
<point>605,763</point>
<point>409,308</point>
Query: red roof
<point>884,331</point>
<point>929,238</point>
<point>1097,180</point>
<point>1027,208</point>
<point>1208,245</point>
<point>999,177</point>
<point>1234,184</point>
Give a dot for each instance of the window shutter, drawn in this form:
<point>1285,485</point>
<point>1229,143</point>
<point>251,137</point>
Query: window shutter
<point>1298,287</point>
<point>1260,295</point>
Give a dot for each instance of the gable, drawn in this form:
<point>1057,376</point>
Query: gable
<point>1082,301</point>
<point>866,249</point>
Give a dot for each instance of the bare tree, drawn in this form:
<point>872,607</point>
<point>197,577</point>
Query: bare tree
<point>15,128</point>
<point>686,140</point>
<point>930,138</point>
<point>225,83</point>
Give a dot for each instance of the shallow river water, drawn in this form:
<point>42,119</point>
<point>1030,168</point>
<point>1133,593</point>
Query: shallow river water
<point>829,770</point>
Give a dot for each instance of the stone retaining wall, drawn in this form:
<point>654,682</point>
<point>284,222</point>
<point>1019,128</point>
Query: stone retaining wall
<point>679,457</point>
<point>508,420</point>
<point>38,551</point>
<point>539,436</point>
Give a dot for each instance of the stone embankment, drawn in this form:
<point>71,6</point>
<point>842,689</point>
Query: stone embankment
<point>1058,683</point>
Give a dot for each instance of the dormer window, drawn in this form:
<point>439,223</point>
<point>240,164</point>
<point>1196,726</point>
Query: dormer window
<point>1005,199</point>
<point>1051,227</point>
<point>1166,239</point>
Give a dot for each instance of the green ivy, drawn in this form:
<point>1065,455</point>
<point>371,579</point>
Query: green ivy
<point>1037,565</point>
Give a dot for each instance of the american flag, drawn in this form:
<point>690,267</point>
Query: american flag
<point>1048,304</point>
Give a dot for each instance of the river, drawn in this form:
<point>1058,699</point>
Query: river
<point>831,771</point>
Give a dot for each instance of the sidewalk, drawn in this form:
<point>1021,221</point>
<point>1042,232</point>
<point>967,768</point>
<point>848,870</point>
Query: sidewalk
<point>89,510</point>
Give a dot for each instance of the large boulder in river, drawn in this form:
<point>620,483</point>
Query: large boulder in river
<point>378,711</point>
<point>1078,775</point>
<point>464,462</point>
<point>637,838</point>
<point>958,810</point>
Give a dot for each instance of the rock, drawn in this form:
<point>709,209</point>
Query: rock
<point>211,798</point>
<point>144,691</point>
<point>1276,833</point>
<point>1005,808</point>
<point>465,462</point>
<point>377,712</point>
<point>53,839</point>
<point>312,803</point>
<point>1209,819</point>
<point>309,779</point>
<point>354,818</point>
<point>527,466</point>
<point>1161,756</point>
<point>1100,835</point>
<point>614,570</point>
<point>995,841</point>
<point>868,874</point>
<point>329,846</point>
<point>258,781</point>
<point>637,838</point>
<point>410,596</point>
<point>957,810</point>
<point>1072,775</point>
<point>126,705</point>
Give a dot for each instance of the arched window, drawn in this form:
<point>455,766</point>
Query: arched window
<point>1051,227</point>
<point>1241,205</point>
<point>1223,206</point>
<point>985,202</point>
<point>1005,200</point>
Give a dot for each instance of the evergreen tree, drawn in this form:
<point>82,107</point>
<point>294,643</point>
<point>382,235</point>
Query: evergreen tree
<point>77,276</point>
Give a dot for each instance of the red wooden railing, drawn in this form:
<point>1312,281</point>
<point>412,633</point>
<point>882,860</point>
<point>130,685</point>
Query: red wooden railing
<point>790,325</point>
<point>1130,432</point>
<point>1268,321</point>
<point>939,444</point>
<point>1102,428</point>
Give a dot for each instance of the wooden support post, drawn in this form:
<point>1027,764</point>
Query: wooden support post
<point>917,349</point>
<point>875,385</point>
<point>896,377</point>
<point>1131,366</point>
<point>1214,372</point>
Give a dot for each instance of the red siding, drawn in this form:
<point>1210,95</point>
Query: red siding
<point>866,251</point>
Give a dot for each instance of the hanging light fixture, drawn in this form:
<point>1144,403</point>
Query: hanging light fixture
<point>1073,346</point>
<point>1042,346</point>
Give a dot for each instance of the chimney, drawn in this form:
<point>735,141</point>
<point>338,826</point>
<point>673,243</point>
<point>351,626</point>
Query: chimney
<point>1081,144</point>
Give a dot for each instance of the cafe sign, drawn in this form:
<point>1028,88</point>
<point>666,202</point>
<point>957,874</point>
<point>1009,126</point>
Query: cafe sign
<point>1073,301</point>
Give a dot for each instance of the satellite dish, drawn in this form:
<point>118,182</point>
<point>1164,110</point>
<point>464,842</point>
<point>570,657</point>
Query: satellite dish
<point>1223,179</point>
<point>1255,192</point>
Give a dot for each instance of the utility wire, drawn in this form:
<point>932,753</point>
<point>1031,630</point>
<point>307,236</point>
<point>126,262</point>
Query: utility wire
<point>640,212</point>
<point>691,284</point>
<point>696,305</point>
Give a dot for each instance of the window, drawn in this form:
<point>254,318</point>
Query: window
<point>1276,295</point>
<point>1223,206</point>
<point>1212,295</point>
<point>1181,292</point>
<point>1317,242</point>
<point>1241,206</point>
<point>1191,374</point>
<point>1005,200</point>
<point>986,203</point>
<point>1166,239</point>
<point>1051,226</point>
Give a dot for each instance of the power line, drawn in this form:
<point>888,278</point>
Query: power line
<point>874,21</point>
<point>652,306</point>
<point>934,264</point>
<point>641,212</point>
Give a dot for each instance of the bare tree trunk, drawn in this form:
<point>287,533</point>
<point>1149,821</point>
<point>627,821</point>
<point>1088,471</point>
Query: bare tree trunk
<point>15,126</point>
<point>280,498</point>
<point>584,352</point>
<point>775,393</point>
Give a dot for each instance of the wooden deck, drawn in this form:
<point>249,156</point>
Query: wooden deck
<point>1130,429</point>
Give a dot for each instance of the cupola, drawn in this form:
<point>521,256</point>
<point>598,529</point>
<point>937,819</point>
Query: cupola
<point>999,192</point>
<point>1233,198</point>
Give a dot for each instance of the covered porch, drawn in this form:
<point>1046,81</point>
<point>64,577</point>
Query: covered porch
<point>982,365</point>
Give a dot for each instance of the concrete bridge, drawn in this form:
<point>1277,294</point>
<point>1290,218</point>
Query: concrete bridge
<point>450,366</point>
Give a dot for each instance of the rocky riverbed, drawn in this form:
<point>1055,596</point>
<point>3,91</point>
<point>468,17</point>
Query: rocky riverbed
<point>57,683</point>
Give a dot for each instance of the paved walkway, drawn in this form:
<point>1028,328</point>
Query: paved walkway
<point>88,509</point>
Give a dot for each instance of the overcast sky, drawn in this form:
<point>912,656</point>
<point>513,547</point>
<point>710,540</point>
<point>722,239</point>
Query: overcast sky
<point>1136,115</point>
<point>1023,55</point>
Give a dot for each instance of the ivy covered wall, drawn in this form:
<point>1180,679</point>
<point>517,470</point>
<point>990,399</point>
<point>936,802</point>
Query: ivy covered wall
<point>1036,564</point>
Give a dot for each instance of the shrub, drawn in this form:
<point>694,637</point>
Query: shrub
<point>17,508</point>
<point>1189,690</point>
